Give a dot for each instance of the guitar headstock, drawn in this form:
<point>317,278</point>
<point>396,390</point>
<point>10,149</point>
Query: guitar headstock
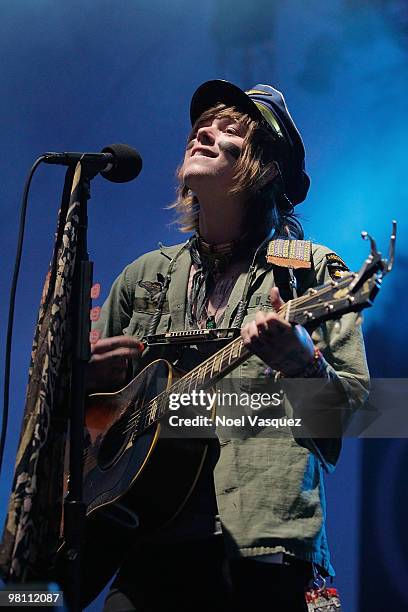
<point>352,293</point>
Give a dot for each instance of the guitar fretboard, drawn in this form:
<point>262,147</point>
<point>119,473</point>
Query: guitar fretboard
<point>319,304</point>
<point>201,377</point>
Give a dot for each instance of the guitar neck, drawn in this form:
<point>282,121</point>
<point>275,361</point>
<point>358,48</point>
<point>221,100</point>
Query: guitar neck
<point>223,361</point>
<point>317,305</point>
<point>204,375</point>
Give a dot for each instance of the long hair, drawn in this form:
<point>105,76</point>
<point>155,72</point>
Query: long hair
<point>268,211</point>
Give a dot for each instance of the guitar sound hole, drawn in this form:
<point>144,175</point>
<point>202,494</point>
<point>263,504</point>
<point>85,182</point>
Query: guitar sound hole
<point>115,441</point>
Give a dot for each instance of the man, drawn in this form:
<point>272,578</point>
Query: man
<point>253,530</point>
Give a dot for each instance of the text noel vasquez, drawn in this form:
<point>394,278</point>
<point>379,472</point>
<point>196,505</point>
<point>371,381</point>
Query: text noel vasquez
<point>241,421</point>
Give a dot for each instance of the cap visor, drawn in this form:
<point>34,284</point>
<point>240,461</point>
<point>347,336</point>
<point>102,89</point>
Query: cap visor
<point>215,92</point>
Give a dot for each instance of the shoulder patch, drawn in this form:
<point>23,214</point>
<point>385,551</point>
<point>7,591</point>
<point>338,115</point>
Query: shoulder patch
<point>336,266</point>
<point>290,253</point>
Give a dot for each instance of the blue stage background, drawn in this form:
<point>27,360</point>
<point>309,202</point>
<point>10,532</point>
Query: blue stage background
<point>81,75</point>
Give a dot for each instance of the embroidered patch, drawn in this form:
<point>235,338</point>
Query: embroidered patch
<point>336,266</point>
<point>154,289</point>
<point>290,253</point>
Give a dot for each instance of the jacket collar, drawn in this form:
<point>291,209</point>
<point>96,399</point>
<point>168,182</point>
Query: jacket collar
<point>177,292</point>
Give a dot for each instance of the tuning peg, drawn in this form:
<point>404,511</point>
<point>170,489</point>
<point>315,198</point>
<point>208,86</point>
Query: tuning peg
<point>373,246</point>
<point>391,253</point>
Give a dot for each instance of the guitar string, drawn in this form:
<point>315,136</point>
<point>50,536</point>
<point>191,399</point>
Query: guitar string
<point>192,378</point>
<point>188,379</point>
<point>197,372</point>
<point>147,411</point>
<point>156,404</point>
<point>237,345</point>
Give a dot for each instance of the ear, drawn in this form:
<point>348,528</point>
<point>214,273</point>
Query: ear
<point>271,180</point>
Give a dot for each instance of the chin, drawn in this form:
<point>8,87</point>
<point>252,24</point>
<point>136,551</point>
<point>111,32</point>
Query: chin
<point>194,178</point>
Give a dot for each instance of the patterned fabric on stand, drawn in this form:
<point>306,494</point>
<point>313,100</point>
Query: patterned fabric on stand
<point>32,527</point>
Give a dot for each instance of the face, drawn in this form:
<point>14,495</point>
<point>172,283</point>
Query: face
<point>212,151</point>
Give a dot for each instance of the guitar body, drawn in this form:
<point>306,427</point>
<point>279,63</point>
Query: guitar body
<point>133,484</point>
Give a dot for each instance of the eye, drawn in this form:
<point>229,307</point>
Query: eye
<point>231,130</point>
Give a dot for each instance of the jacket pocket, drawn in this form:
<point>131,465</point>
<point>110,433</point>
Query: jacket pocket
<point>138,325</point>
<point>140,322</point>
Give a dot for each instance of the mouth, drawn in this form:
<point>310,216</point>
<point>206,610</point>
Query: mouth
<point>203,152</point>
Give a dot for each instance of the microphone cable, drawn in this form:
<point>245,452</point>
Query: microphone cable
<point>13,291</point>
<point>127,165</point>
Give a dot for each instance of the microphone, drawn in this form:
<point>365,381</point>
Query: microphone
<point>118,163</point>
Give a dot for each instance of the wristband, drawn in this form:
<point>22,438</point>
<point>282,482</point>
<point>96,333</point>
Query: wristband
<point>315,369</point>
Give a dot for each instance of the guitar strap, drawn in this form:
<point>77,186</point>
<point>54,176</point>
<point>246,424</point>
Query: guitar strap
<point>286,257</point>
<point>243,303</point>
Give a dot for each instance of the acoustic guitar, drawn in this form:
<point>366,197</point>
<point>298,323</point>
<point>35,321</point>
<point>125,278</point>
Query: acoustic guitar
<point>136,476</point>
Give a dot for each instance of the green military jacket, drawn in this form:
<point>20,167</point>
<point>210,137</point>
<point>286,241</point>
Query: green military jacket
<point>270,491</point>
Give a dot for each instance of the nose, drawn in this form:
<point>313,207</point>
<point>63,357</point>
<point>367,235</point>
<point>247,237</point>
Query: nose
<point>206,134</point>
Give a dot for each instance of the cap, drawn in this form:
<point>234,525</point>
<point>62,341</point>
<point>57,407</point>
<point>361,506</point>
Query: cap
<point>266,105</point>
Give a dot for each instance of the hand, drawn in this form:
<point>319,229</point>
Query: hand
<point>280,345</point>
<point>108,366</point>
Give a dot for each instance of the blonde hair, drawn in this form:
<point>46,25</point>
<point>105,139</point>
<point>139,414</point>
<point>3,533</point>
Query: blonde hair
<point>256,175</point>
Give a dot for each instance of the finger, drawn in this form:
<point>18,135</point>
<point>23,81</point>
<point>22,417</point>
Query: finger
<point>109,344</point>
<point>105,345</point>
<point>275,323</point>
<point>263,333</point>
<point>275,298</point>
<point>269,321</point>
<point>253,330</point>
<point>117,354</point>
<point>245,334</point>
<point>260,317</point>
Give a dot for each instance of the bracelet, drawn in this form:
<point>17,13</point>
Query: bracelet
<point>315,369</point>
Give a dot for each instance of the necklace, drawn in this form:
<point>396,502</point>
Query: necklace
<point>210,260</point>
<point>216,256</point>
<point>211,322</point>
<point>221,291</point>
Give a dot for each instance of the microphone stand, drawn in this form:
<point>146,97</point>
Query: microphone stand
<point>74,506</point>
